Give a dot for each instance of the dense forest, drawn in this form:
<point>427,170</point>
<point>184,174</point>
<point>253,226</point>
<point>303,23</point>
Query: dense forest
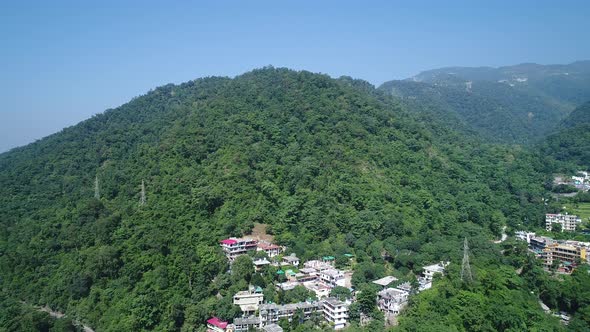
<point>519,104</point>
<point>332,166</point>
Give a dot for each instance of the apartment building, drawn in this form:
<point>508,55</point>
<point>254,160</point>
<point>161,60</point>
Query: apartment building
<point>234,247</point>
<point>335,312</point>
<point>568,222</point>
<point>392,300</point>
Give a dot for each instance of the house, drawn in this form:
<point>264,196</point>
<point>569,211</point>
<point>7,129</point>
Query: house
<point>332,277</point>
<point>247,324</point>
<point>568,222</point>
<point>335,312</point>
<point>249,300</point>
<point>392,300</point>
<point>317,265</point>
<point>259,264</point>
<point>384,282</point>
<point>215,324</point>
<point>291,260</point>
<point>234,247</point>
<point>430,270</point>
<point>288,285</point>
<point>524,236</point>
<point>270,249</point>
<point>321,290</point>
<point>307,274</point>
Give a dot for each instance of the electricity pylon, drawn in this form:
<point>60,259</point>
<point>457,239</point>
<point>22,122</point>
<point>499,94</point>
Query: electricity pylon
<point>465,267</point>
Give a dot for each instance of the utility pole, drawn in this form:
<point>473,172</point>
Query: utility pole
<point>96,188</point>
<point>142,199</point>
<point>465,267</point>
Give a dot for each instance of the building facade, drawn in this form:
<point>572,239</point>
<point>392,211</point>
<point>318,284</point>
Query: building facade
<point>568,222</point>
<point>234,247</point>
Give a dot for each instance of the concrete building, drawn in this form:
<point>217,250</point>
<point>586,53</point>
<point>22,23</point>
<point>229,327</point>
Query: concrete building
<point>321,290</point>
<point>249,300</point>
<point>245,324</point>
<point>234,247</point>
<point>563,253</point>
<point>307,274</point>
<point>317,265</point>
<point>272,328</point>
<point>259,264</point>
<point>335,312</point>
<point>290,260</point>
<point>270,313</point>
<point>568,222</point>
<point>430,270</point>
<point>392,300</point>
<point>270,249</point>
<point>385,281</point>
<point>215,324</point>
<point>524,236</point>
<point>332,277</point>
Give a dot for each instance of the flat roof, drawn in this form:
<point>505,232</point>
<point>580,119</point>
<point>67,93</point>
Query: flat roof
<point>385,281</point>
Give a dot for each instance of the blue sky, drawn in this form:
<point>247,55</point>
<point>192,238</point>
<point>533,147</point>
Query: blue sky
<point>61,62</point>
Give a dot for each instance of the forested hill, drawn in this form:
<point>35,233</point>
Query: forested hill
<point>333,166</point>
<point>570,143</point>
<point>497,112</point>
<point>518,104</point>
<point>562,84</point>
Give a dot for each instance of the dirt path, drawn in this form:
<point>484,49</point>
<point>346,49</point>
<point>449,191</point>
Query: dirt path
<point>57,314</point>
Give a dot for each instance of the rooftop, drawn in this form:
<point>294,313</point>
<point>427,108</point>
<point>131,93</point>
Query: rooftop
<point>392,293</point>
<point>385,281</point>
<point>272,328</point>
<point>217,322</point>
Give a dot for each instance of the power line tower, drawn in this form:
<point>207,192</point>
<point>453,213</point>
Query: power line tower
<point>96,188</point>
<point>142,199</point>
<point>465,267</point>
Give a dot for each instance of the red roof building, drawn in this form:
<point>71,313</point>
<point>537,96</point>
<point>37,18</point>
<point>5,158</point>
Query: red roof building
<point>215,324</point>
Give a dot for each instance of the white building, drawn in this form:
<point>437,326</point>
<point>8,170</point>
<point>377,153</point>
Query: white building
<point>332,277</point>
<point>317,265</point>
<point>249,301</point>
<point>430,270</point>
<point>392,300</point>
<point>270,249</point>
<point>246,324</point>
<point>568,222</point>
<point>290,260</point>
<point>524,236</point>
<point>335,312</point>
<point>271,313</point>
<point>321,291</point>
<point>234,247</point>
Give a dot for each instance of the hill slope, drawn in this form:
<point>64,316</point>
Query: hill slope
<point>516,104</point>
<point>332,166</point>
<point>570,143</point>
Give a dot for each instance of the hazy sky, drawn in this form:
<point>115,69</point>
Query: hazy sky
<point>61,62</point>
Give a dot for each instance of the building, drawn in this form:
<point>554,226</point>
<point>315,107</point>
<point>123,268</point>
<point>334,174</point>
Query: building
<point>392,300</point>
<point>335,312</point>
<point>307,274</point>
<point>270,249</point>
<point>540,242</point>
<point>271,313</point>
<point>563,253</point>
<point>321,291</point>
<point>215,324</point>
<point>291,260</point>
<point>249,300</point>
<point>272,328</point>
<point>568,222</point>
<point>259,264</point>
<point>384,282</point>
<point>234,247</point>
<point>246,324</point>
<point>430,270</point>
<point>332,277</point>
<point>524,236</point>
<point>317,265</point>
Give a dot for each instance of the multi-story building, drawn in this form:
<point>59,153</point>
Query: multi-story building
<point>335,312</point>
<point>234,247</point>
<point>392,300</point>
<point>307,274</point>
<point>246,324</point>
<point>332,277</point>
<point>563,253</point>
<point>270,249</point>
<point>568,222</point>
<point>249,300</point>
<point>270,313</point>
<point>291,260</point>
<point>321,291</point>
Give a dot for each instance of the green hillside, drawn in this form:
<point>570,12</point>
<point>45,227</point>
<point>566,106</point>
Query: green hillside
<point>570,143</point>
<point>519,104</point>
<point>333,166</point>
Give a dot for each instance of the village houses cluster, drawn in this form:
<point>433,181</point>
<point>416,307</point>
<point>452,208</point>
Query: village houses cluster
<point>319,276</point>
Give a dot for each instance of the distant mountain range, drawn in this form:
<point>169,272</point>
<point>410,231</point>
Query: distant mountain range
<point>515,104</point>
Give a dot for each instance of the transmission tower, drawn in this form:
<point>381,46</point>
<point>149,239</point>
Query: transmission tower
<point>142,199</point>
<point>465,267</point>
<point>96,188</point>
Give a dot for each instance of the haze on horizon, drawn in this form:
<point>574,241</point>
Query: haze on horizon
<point>64,61</point>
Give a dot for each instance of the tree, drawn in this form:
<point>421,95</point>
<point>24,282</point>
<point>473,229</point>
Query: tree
<point>341,293</point>
<point>242,268</point>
